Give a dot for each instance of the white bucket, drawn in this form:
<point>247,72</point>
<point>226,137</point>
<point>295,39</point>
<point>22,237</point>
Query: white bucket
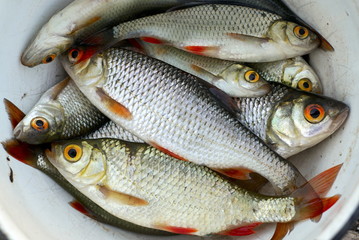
<point>34,207</point>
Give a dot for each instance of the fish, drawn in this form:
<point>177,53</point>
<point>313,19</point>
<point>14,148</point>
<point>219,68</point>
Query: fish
<point>62,112</point>
<point>228,32</point>
<point>168,109</point>
<point>290,121</point>
<point>235,79</point>
<point>34,156</point>
<point>145,186</point>
<point>294,72</point>
<point>72,24</point>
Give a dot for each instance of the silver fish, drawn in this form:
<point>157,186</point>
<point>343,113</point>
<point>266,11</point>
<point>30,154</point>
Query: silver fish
<point>294,72</point>
<point>291,121</point>
<point>73,23</point>
<point>170,110</point>
<point>142,185</point>
<point>235,79</point>
<point>62,112</point>
<point>35,157</point>
<point>228,32</point>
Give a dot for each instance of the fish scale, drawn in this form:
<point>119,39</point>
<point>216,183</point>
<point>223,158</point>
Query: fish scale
<point>80,115</point>
<point>207,21</point>
<point>174,111</point>
<point>178,193</point>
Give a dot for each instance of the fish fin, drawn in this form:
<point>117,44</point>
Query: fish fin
<point>237,173</point>
<point>114,106</point>
<point>225,100</point>
<point>123,198</point>
<point>59,87</point>
<point>174,229</point>
<point>201,50</point>
<point>82,209</point>
<point>153,40</point>
<point>255,184</point>
<point>324,181</point>
<point>85,24</point>
<point>14,113</point>
<point>241,231</point>
<point>325,44</point>
<point>282,230</point>
<point>137,45</point>
<point>20,151</point>
<point>243,37</point>
<point>166,151</point>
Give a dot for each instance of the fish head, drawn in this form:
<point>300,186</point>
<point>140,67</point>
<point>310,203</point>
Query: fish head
<point>45,48</point>
<point>79,160</point>
<point>292,38</point>
<point>84,66</point>
<point>301,120</point>
<point>301,76</point>
<point>243,81</point>
<point>44,123</point>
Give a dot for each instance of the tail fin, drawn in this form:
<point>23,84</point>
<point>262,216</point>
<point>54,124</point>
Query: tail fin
<point>309,206</point>
<point>14,113</point>
<point>21,151</point>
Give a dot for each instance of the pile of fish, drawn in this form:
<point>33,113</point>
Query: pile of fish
<point>175,115</point>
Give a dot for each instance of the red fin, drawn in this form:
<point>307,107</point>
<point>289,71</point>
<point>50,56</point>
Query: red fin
<point>237,173</point>
<point>85,24</point>
<point>282,230</point>
<point>20,151</point>
<point>114,106</point>
<point>136,44</point>
<point>200,50</point>
<point>14,113</point>
<point>324,181</point>
<point>168,152</point>
<point>122,198</point>
<point>152,40</point>
<point>79,207</point>
<point>241,231</point>
<point>178,230</point>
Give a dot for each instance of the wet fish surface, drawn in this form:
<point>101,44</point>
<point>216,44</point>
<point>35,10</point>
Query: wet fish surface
<point>62,112</point>
<point>168,109</point>
<point>228,32</point>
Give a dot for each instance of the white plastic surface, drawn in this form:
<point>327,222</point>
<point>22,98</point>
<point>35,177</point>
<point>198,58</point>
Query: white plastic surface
<point>34,207</point>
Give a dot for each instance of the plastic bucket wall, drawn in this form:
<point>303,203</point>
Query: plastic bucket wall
<point>34,207</point>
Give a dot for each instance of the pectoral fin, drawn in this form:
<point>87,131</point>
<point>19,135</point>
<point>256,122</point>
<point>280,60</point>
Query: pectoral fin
<point>114,106</point>
<point>122,198</point>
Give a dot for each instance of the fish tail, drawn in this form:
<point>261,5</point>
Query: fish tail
<point>14,113</point>
<point>309,205</point>
<point>21,151</point>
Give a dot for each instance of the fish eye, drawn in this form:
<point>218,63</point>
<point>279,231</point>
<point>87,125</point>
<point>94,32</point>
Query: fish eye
<point>49,58</point>
<point>75,55</point>
<point>301,32</point>
<point>314,113</point>
<point>39,124</point>
<point>251,76</point>
<point>72,152</point>
<point>305,84</point>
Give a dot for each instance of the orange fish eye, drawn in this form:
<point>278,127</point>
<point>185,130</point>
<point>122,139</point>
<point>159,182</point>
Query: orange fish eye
<point>305,84</point>
<point>301,32</point>
<point>251,76</point>
<point>314,113</point>
<point>49,58</point>
<point>75,55</point>
<point>72,152</point>
<point>39,124</point>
